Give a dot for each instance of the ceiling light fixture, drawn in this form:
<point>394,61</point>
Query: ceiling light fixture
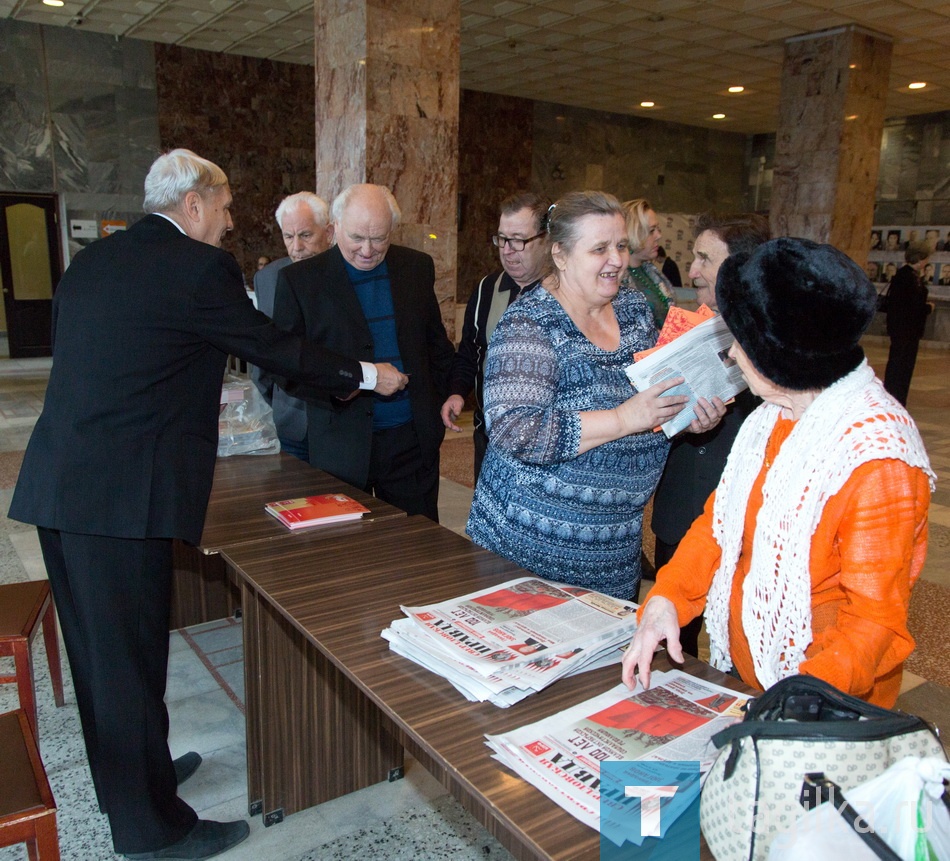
<point>647,104</point>
<point>54,3</point>
<point>736,89</point>
<point>917,85</point>
<point>718,116</point>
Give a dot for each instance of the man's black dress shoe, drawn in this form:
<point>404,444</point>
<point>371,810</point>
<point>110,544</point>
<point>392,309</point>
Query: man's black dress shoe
<point>205,840</point>
<point>186,765</point>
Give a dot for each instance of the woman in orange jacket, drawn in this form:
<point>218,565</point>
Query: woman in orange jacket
<point>806,553</point>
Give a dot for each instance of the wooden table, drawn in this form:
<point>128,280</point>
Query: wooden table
<point>243,484</point>
<point>319,604</point>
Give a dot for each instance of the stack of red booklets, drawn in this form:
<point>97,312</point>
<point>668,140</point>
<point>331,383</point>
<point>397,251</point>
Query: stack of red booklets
<point>316,510</point>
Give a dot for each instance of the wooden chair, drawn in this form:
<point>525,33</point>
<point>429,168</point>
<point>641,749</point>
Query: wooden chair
<point>27,809</point>
<point>23,607</point>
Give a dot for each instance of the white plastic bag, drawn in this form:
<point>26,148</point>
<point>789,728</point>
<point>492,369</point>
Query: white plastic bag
<point>246,421</point>
<point>903,805</point>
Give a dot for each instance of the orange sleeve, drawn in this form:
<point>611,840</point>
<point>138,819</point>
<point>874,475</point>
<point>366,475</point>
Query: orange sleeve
<point>867,553</point>
<point>686,578</point>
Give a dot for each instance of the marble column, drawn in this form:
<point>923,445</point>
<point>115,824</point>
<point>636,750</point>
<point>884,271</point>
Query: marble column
<point>387,109</point>
<point>828,144</point>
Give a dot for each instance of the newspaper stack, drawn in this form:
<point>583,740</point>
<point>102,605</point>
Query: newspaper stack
<point>672,722</point>
<point>504,643</point>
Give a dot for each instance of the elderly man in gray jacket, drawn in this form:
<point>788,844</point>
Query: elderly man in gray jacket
<point>304,221</point>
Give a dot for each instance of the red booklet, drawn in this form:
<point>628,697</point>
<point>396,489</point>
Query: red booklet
<point>315,510</point>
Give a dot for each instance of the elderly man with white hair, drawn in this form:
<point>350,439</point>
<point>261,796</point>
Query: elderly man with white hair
<point>370,298</point>
<point>304,221</point>
<point>121,462</point>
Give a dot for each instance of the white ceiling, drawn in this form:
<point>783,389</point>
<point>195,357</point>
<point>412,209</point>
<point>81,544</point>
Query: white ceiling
<point>601,54</point>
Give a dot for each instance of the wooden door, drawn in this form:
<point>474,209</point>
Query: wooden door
<point>30,267</point>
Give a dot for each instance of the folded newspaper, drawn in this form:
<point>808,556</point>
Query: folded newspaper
<point>506,642</point>
<point>671,722</point>
<point>701,357</point>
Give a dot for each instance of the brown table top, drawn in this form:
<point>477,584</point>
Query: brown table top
<point>244,484</point>
<point>343,611</point>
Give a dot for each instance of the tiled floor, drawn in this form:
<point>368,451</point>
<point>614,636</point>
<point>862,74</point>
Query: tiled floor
<point>409,819</point>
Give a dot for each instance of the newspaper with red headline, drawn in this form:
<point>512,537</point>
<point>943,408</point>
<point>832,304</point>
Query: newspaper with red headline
<point>673,721</point>
<point>505,642</point>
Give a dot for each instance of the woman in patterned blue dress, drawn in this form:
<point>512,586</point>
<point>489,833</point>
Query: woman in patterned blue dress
<point>572,457</point>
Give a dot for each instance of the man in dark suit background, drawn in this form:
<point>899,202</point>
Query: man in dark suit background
<point>907,312</point>
<point>304,221</point>
<point>372,299</point>
<point>696,461</point>
<point>121,462</point>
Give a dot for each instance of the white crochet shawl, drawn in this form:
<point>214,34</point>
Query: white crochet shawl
<point>850,423</point>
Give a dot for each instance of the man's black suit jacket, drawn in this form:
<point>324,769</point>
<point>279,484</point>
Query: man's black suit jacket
<point>693,469</point>
<point>143,322</point>
<point>907,307</point>
<point>315,299</point>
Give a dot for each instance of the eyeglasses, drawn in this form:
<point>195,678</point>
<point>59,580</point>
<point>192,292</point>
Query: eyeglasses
<point>500,241</point>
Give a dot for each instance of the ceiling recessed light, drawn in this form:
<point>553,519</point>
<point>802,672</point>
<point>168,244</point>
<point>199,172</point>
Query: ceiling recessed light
<point>736,89</point>
<point>917,85</point>
<point>647,104</point>
<point>53,3</point>
<point>851,117</point>
<point>718,116</point>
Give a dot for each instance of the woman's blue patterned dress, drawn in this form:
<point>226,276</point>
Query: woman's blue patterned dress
<point>567,517</point>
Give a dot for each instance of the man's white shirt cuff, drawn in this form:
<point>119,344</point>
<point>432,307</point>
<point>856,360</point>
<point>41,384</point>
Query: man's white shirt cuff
<point>369,376</point>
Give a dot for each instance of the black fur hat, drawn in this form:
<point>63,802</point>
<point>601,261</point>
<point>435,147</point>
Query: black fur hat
<point>798,309</point>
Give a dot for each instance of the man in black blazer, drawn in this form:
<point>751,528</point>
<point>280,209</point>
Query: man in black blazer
<point>696,461</point>
<point>121,462</point>
<point>907,312</point>
<point>369,298</point>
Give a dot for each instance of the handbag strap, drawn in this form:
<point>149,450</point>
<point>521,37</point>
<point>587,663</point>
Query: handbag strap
<point>818,789</point>
<point>809,708</point>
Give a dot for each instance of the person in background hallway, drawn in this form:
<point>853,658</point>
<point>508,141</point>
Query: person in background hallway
<point>372,298</point>
<point>806,553</point>
<point>120,463</point>
<point>522,243</point>
<point>643,231</point>
<point>304,221</point>
<point>262,261</point>
<point>907,310</point>
<point>668,267</point>
<point>572,455</point>
<point>696,461</point>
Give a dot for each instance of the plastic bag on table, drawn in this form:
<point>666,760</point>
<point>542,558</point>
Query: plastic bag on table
<point>904,806</point>
<point>246,421</point>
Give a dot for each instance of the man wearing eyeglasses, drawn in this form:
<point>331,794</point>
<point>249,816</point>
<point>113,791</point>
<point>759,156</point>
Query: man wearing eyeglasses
<point>523,248</point>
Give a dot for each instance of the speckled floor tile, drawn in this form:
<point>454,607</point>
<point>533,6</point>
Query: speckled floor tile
<point>442,830</point>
